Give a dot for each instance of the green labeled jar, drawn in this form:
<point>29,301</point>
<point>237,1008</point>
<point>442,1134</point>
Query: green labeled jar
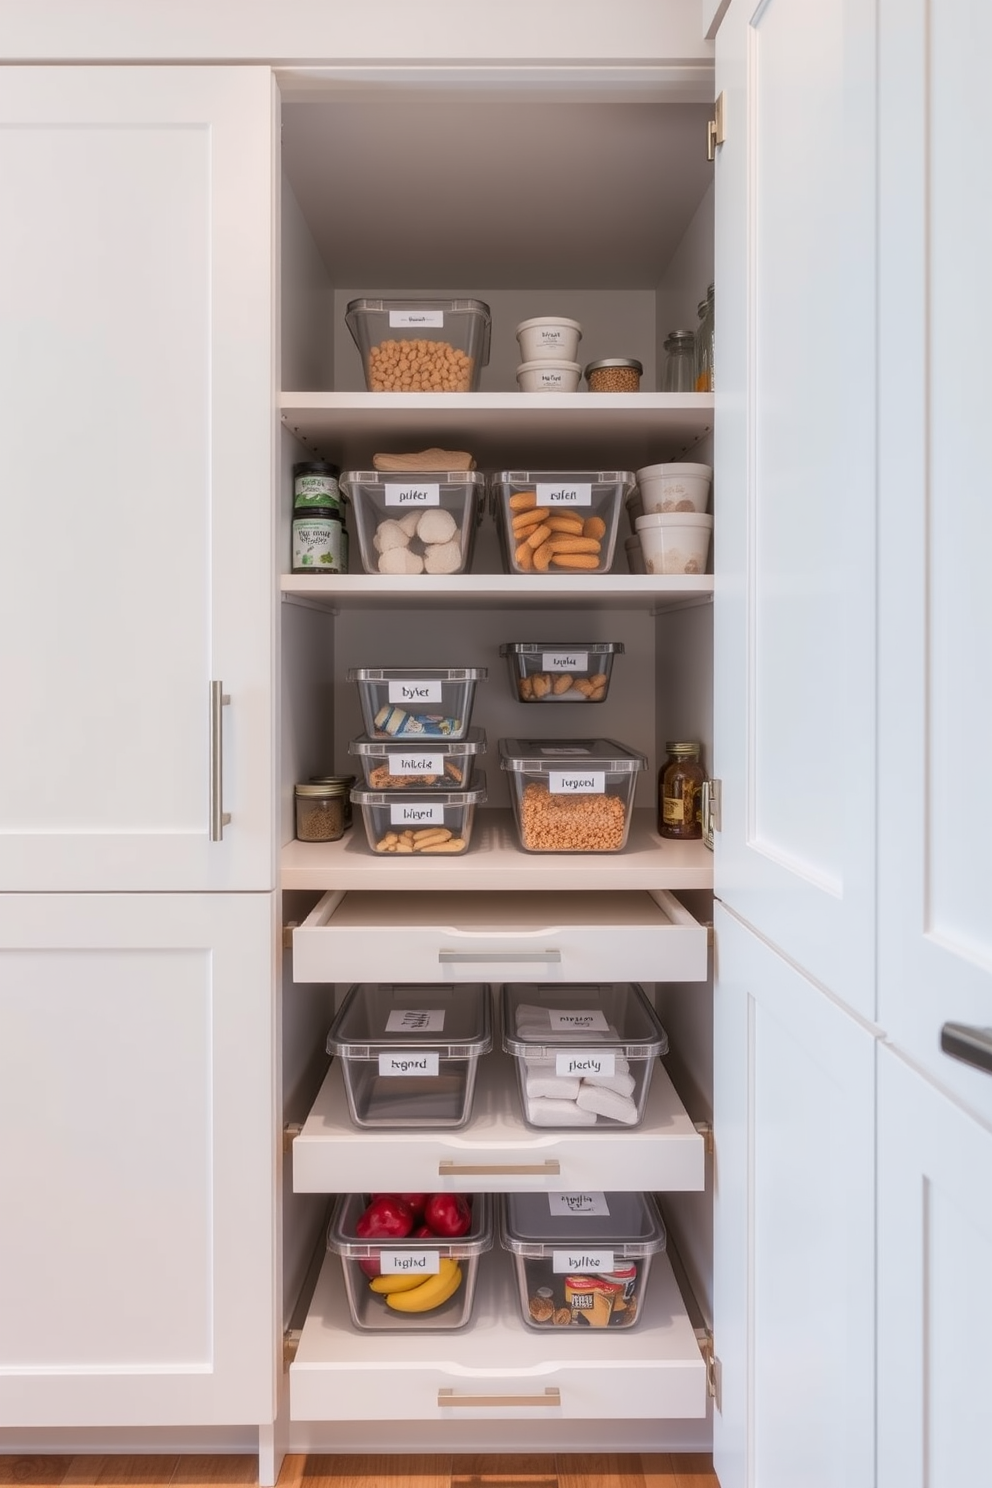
<point>320,540</point>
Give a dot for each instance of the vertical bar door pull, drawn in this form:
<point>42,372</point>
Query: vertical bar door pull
<point>219,818</point>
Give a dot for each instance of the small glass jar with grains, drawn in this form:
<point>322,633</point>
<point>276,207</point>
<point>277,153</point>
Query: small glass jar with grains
<point>680,792</point>
<point>614,375</point>
<point>321,810</point>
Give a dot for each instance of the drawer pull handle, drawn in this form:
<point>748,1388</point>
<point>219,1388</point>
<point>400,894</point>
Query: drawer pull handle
<point>550,1397</point>
<point>971,1045</point>
<point>547,957</point>
<point>448,1168</point>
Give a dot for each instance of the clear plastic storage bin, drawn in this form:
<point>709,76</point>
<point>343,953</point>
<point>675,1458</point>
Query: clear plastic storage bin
<point>551,672</point>
<point>429,1258</point>
<point>404,765</point>
<point>419,823</point>
<point>409,1052</point>
<point>555,522</point>
<point>421,346</point>
<point>582,1259</point>
<point>417,702</point>
<point>415,523</point>
<point>584,1054</point>
<point>571,795</point>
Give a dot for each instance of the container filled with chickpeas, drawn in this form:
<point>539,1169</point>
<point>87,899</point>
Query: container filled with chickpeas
<point>421,346</point>
<point>558,522</point>
<point>571,795</point>
<point>420,522</point>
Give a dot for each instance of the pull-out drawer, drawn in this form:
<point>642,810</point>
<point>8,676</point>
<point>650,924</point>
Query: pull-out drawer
<point>496,1152</point>
<point>497,1368</point>
<point>577,935</point>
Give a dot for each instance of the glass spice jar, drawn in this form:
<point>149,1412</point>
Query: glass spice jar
<point>680,792</point>
<point>704,344</point>
<point>320,812</point>
<point>679,372</point>
<point>343,783</point>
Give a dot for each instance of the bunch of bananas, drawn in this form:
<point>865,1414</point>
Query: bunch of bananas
<point>419,1293</point>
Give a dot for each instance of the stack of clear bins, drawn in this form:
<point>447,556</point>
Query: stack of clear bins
<point>364,1260</point>
<point>409,1053</point>
<point>584,1053</point>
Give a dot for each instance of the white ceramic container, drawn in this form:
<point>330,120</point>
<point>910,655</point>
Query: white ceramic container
<point>675,542</point>
<point>549,336</point>
<point>675,487</point>
<point>549,376</point>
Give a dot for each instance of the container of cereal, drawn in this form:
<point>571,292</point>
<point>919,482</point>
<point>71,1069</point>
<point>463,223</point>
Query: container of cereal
<point>420,523</point>
<point>409,1284</point>
<point>582,1259</point>
<point>549,672</point>
<point>417,702</point>
<point>585,1054</point>
<point>444,764</point>
<point>409,1052</point>
<point>421,346</point>
<point>555,522</point>
<point>551,336</point>
<point>675,542</point>
<point>571,795</point>
<point>419,823</point>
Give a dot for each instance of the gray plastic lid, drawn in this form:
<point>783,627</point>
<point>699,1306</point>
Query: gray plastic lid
<point>533,1224</point>
<point>427,673</point>
<point>474,742</point>
<point>452,1020</point>
<point>430,795</point>
<point>532,648</point>
<point>620,1018</point>
<point>350,479</point>
<point>348,1208</point>
<point>540,756</point>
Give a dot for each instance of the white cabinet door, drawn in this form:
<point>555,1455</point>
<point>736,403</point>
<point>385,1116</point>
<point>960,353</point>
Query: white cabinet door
<point>136,433</point>
<point>935,701</point>
<point>793,1119</point>
<point>935,1303</point>
<point>137,1153</point>
<point>794,534</point>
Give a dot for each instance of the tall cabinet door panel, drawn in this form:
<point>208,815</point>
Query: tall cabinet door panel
<point>137,1153</point>
<point>135,464</point>
<point>794,1105</point>
<point>935,702</point>
<point>794,487</point>
<point>934,1302</point>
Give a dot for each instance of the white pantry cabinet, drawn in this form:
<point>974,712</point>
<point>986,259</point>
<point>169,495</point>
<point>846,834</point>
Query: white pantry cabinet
<point>135,462</point>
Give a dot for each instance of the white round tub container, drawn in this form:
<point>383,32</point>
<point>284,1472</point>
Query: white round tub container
<point>675,488</point>
<point>549,336</point>
<point>548,376</point>
<point>675,542</point>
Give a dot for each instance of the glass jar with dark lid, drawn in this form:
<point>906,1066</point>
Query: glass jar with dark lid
<point>680,792</point>
<point>343,783</point>
<point>614,375</point>
<point>323,808</point>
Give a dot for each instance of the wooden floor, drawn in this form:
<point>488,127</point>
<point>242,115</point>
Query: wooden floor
<point>589,1470</point>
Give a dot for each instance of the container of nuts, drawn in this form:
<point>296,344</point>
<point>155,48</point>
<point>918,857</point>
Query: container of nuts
<point>549,672</point>
<point>421,346</point>
<point>558,522</point>
<point>571,795</point>
<point>408,764</point>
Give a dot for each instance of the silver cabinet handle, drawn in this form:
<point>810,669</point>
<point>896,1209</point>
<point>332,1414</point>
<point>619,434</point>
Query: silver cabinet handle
<point>550,1397</point>
<point>448,1167</point>
<point>971,1045</point>
<point>547,957</point>
<point>219,818</point>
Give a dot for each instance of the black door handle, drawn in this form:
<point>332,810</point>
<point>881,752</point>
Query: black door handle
<point>970,1045</point>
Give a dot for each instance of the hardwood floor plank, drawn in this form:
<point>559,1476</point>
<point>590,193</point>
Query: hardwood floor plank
<point>600,1470</point>
<point>694,1470</point>
<point>657,1470</point>
<point>202,1471</point>
<point>293,1472</point>
<point>514,1470</point>
<point>39,1472</point>
<point>386,1471</point>
<point>84,1470</point>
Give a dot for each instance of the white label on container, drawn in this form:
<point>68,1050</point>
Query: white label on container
<point>415,764</point>
<point>413,816</point>
<point>581,1261</point>
<point>564,661</point>
<point>585,1062</point>
<point>424,1062</point>
<point>415,690</point>
<point>551,379</point>
<point>592,782</point>
<point>415,1020</point>
<point>418,493</point>
<point>578,1020</point>
<point>553,493</point>
<point>407,1262</point>
<point>578,1203</point>
<point>416,317</point>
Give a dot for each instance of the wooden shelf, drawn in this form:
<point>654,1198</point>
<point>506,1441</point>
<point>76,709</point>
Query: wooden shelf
<point>481,591</point>
<point>495,861</point>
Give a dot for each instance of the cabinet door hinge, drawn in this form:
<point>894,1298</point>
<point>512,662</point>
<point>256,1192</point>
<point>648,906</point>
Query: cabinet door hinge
<point>290,1132</point>
<point>711,806</point>
<point>704,1338</point>
<point>705,1130</point>
<point>715,128</point>
<point>290,1344</point>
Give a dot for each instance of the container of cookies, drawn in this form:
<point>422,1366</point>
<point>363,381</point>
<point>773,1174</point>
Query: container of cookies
<point>446,1267</point>
<point>571,795</point>
<point>582,1260</point>
<point>409,1053</point>
<point>549,672</point>
<point>421,522</point>
<point>412,824</point>
<point>422,703</point>
<point>400,764</point>
<point>585,1054</point>
<point>421,346</point>
<point>558,522</point>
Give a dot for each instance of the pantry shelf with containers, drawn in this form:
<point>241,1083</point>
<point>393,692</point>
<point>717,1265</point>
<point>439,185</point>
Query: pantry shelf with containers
<point>500,678</point>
